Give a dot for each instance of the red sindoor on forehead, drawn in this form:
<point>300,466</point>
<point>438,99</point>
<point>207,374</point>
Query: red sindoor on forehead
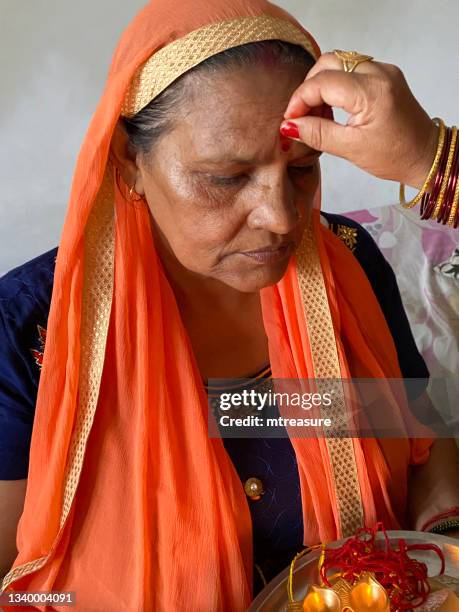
<point>286,143</point>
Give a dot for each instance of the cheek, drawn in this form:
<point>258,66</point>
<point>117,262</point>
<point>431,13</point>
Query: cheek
<point>193,226</point>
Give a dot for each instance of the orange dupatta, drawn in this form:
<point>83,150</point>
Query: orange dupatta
<point>129,503</point>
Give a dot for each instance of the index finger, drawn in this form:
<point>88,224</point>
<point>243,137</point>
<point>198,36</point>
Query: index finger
<point>331,87</point>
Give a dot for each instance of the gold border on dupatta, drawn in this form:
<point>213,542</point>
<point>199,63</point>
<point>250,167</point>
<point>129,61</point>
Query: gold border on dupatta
<point>176,58</point>
<point>326,366</point>
<point>99,249</point>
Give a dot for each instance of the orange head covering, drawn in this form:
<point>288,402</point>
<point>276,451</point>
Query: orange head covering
<point>129,502</point>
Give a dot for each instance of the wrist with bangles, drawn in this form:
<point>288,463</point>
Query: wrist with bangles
<point>443,522</point>
<point>439,196</point>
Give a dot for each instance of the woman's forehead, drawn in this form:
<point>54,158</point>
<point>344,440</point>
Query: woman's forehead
<point>244,105</point>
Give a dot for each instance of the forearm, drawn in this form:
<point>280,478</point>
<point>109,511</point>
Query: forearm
<point>434,486</point>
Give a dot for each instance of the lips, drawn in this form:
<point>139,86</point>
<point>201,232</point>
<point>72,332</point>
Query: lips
<point>268,249</point>
<point>270,254</point>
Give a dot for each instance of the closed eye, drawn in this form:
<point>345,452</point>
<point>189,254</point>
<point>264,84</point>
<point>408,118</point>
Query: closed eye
<point>237,179</point>
<point>226,181</point>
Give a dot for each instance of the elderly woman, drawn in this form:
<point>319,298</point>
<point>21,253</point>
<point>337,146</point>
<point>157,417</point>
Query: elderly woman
<point>194,248</point>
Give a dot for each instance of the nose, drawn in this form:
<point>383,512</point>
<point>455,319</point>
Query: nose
<point>275,207</point>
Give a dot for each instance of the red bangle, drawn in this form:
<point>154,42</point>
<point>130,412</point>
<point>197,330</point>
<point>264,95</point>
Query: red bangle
<point>450,189</point>
<point>450,513</point>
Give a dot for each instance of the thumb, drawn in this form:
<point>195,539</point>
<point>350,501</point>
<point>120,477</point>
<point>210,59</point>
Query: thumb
<point>320,134</point>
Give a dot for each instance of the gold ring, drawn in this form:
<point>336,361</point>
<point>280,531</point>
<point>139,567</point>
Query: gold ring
<point>351,59</point>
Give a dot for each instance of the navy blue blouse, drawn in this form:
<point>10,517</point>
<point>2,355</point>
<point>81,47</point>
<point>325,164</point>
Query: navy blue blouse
<point>25,295</point>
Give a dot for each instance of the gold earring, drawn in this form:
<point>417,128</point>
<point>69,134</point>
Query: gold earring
<point>131,192</point>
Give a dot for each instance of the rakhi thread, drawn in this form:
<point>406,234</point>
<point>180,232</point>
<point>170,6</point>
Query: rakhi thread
<point>404,578</point>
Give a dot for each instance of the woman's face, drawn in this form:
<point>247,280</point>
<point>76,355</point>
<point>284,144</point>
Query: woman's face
<point>220,185</point>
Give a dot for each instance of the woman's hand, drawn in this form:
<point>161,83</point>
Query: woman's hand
<point>388,134</point>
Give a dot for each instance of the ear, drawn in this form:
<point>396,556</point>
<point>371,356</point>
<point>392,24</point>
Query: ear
<point>124,158</point>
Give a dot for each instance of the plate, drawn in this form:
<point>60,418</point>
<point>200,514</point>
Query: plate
<point>273,598</point>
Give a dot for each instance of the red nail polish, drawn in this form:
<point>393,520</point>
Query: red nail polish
<point>290,130</point>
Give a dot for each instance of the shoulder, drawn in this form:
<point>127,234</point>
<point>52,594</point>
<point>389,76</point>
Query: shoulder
<point>366,251</point>
<point>385,287</point>
<point>32,275</point>
<point>25,298</point>
<point>357,239</point>
<point>28,287</point>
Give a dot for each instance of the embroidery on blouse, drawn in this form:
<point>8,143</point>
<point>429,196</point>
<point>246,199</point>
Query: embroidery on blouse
<point>347,234</point>
<point>38,354</point>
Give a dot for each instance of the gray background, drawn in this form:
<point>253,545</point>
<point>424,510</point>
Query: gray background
<point>53,61</point>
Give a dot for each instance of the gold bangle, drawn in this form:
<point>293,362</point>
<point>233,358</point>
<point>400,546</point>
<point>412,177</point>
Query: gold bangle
<point>454,205</point>
<point>433,169</point>
<point>449,164</point>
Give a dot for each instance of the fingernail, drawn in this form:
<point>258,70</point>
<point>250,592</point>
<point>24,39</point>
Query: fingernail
<point>290,130</point>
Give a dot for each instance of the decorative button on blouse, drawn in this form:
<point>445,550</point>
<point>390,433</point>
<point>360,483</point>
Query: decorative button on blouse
<point>253,488</point>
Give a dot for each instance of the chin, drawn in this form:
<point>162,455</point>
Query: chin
<point>255,280</point>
